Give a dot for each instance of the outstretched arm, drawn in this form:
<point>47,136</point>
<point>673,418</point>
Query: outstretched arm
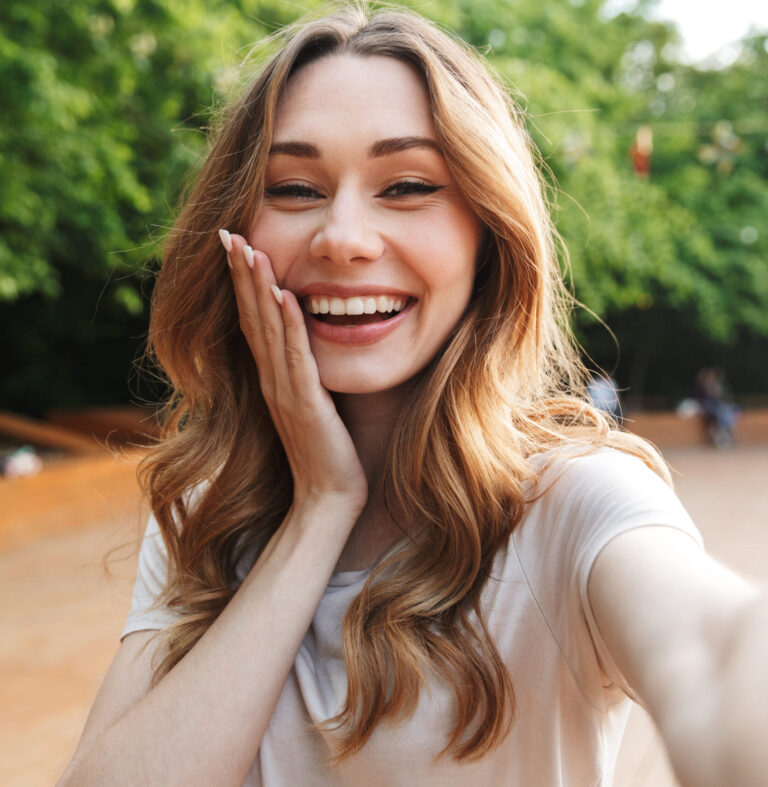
<point>691,638</point>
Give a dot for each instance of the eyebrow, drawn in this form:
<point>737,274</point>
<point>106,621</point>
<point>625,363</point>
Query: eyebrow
<point>384,147</point>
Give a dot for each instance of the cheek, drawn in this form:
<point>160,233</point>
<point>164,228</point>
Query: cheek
<point>280,241</point>
<point>446,256</point>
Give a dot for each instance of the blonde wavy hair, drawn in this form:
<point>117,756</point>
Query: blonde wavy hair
<point>507,385</point>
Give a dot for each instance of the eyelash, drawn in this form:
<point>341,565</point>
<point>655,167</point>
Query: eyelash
<point>405,188</point>
<point>291,190</point>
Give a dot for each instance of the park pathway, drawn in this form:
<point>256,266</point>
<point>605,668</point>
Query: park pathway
<point>62,614</point>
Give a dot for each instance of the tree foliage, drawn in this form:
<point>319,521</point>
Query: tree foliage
<point>104,108</point>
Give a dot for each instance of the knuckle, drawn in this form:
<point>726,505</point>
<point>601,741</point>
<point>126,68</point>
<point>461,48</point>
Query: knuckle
<point>248,323</point>
<point>292,357</point>
<point>270,335</point>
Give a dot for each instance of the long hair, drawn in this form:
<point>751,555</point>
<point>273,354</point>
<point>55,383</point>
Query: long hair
<point>507,385</point>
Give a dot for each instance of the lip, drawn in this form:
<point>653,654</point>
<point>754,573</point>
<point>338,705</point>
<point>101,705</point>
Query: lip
<point>356,334</point>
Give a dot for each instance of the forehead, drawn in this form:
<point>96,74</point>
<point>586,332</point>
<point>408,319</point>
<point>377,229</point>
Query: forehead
<point>373,96</point>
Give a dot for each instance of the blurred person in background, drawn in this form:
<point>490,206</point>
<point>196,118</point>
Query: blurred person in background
<point>392,541</point>
<point>718,413</point>
<point>604,393</point>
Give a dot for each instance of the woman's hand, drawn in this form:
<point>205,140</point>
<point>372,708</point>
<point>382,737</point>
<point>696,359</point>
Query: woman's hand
<point>323,459</point>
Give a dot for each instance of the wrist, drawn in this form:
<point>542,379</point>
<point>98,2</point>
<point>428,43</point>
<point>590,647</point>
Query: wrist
<point>339,510</point>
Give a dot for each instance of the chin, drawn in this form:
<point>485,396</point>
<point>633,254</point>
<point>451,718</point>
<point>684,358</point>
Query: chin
<point>358,381</point>
<point>341,385</point>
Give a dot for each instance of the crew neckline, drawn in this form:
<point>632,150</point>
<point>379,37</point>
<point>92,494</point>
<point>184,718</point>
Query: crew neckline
<point>345,578</point>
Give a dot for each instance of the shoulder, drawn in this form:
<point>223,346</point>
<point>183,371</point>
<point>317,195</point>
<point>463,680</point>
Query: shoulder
<point>582,498</point>
<point>583,480</point>
<point>590,468</point>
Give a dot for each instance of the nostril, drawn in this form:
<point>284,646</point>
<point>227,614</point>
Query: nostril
<point>347,241</point>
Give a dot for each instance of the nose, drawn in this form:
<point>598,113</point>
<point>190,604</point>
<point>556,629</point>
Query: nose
<point>347,233</point>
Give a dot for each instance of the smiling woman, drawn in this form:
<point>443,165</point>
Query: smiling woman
<point>392,543</point>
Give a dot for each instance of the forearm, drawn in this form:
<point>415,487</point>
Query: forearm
<point>743,722</point>
<point>722,738</point>
<point>203,723</point>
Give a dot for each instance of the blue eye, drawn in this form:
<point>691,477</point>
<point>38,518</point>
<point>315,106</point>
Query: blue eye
<point>297,190</point>
<point>404,188</point>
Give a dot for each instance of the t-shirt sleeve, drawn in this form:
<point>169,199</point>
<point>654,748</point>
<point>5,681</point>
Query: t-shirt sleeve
<point>589,500</point>
<point>151,577</point>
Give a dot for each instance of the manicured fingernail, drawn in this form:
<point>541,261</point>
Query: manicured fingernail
<point>226,241</point>
<point>276,292</point>
<point>229,261</point>
<point>248,251</point>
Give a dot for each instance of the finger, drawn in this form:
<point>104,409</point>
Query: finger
<point>301,363</point>
<point>247,304</point>
<point>271,318</point>
<point>226,242</point>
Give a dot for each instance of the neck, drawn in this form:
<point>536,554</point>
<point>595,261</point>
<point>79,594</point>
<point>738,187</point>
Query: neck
<point>370,419</point>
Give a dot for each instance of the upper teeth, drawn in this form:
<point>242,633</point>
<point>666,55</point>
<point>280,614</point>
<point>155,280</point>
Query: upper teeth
<point>356,305</point>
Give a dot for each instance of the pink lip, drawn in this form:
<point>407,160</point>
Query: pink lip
<point>349,291</point>
<point>356,334</point>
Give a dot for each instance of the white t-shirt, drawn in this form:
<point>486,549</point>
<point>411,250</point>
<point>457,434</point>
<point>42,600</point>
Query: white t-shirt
<point>571,700</point>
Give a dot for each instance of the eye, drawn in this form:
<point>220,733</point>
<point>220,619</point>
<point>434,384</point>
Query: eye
<point>405,188</point>
<point>294,190</point>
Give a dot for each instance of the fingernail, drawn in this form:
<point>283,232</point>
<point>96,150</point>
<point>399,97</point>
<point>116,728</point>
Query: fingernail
<point>248,251</point>
<point>229,261</point>
<point>226,241</point>
<point>276,292</point>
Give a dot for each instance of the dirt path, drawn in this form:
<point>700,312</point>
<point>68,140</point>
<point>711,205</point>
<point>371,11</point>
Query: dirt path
<point>61,615</point>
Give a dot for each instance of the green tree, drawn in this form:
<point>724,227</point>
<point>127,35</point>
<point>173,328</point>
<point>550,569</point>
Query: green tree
<point>104,108</point>
<point>675,263</point>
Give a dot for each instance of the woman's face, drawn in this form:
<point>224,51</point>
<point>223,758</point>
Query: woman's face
<point>363,222</point>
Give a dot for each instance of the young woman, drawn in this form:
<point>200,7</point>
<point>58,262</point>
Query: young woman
<point>391,542</point>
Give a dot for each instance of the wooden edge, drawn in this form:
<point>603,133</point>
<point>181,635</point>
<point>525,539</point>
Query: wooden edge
<point>49,435</point>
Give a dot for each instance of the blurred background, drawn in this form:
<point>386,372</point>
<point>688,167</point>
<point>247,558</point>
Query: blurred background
<point>660,171</point>
<point>652,121</point>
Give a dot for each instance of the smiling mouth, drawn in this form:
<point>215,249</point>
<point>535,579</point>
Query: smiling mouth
<point>355,311</point>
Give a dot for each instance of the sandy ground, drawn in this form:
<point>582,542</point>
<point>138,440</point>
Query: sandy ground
<point>61,615</point>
